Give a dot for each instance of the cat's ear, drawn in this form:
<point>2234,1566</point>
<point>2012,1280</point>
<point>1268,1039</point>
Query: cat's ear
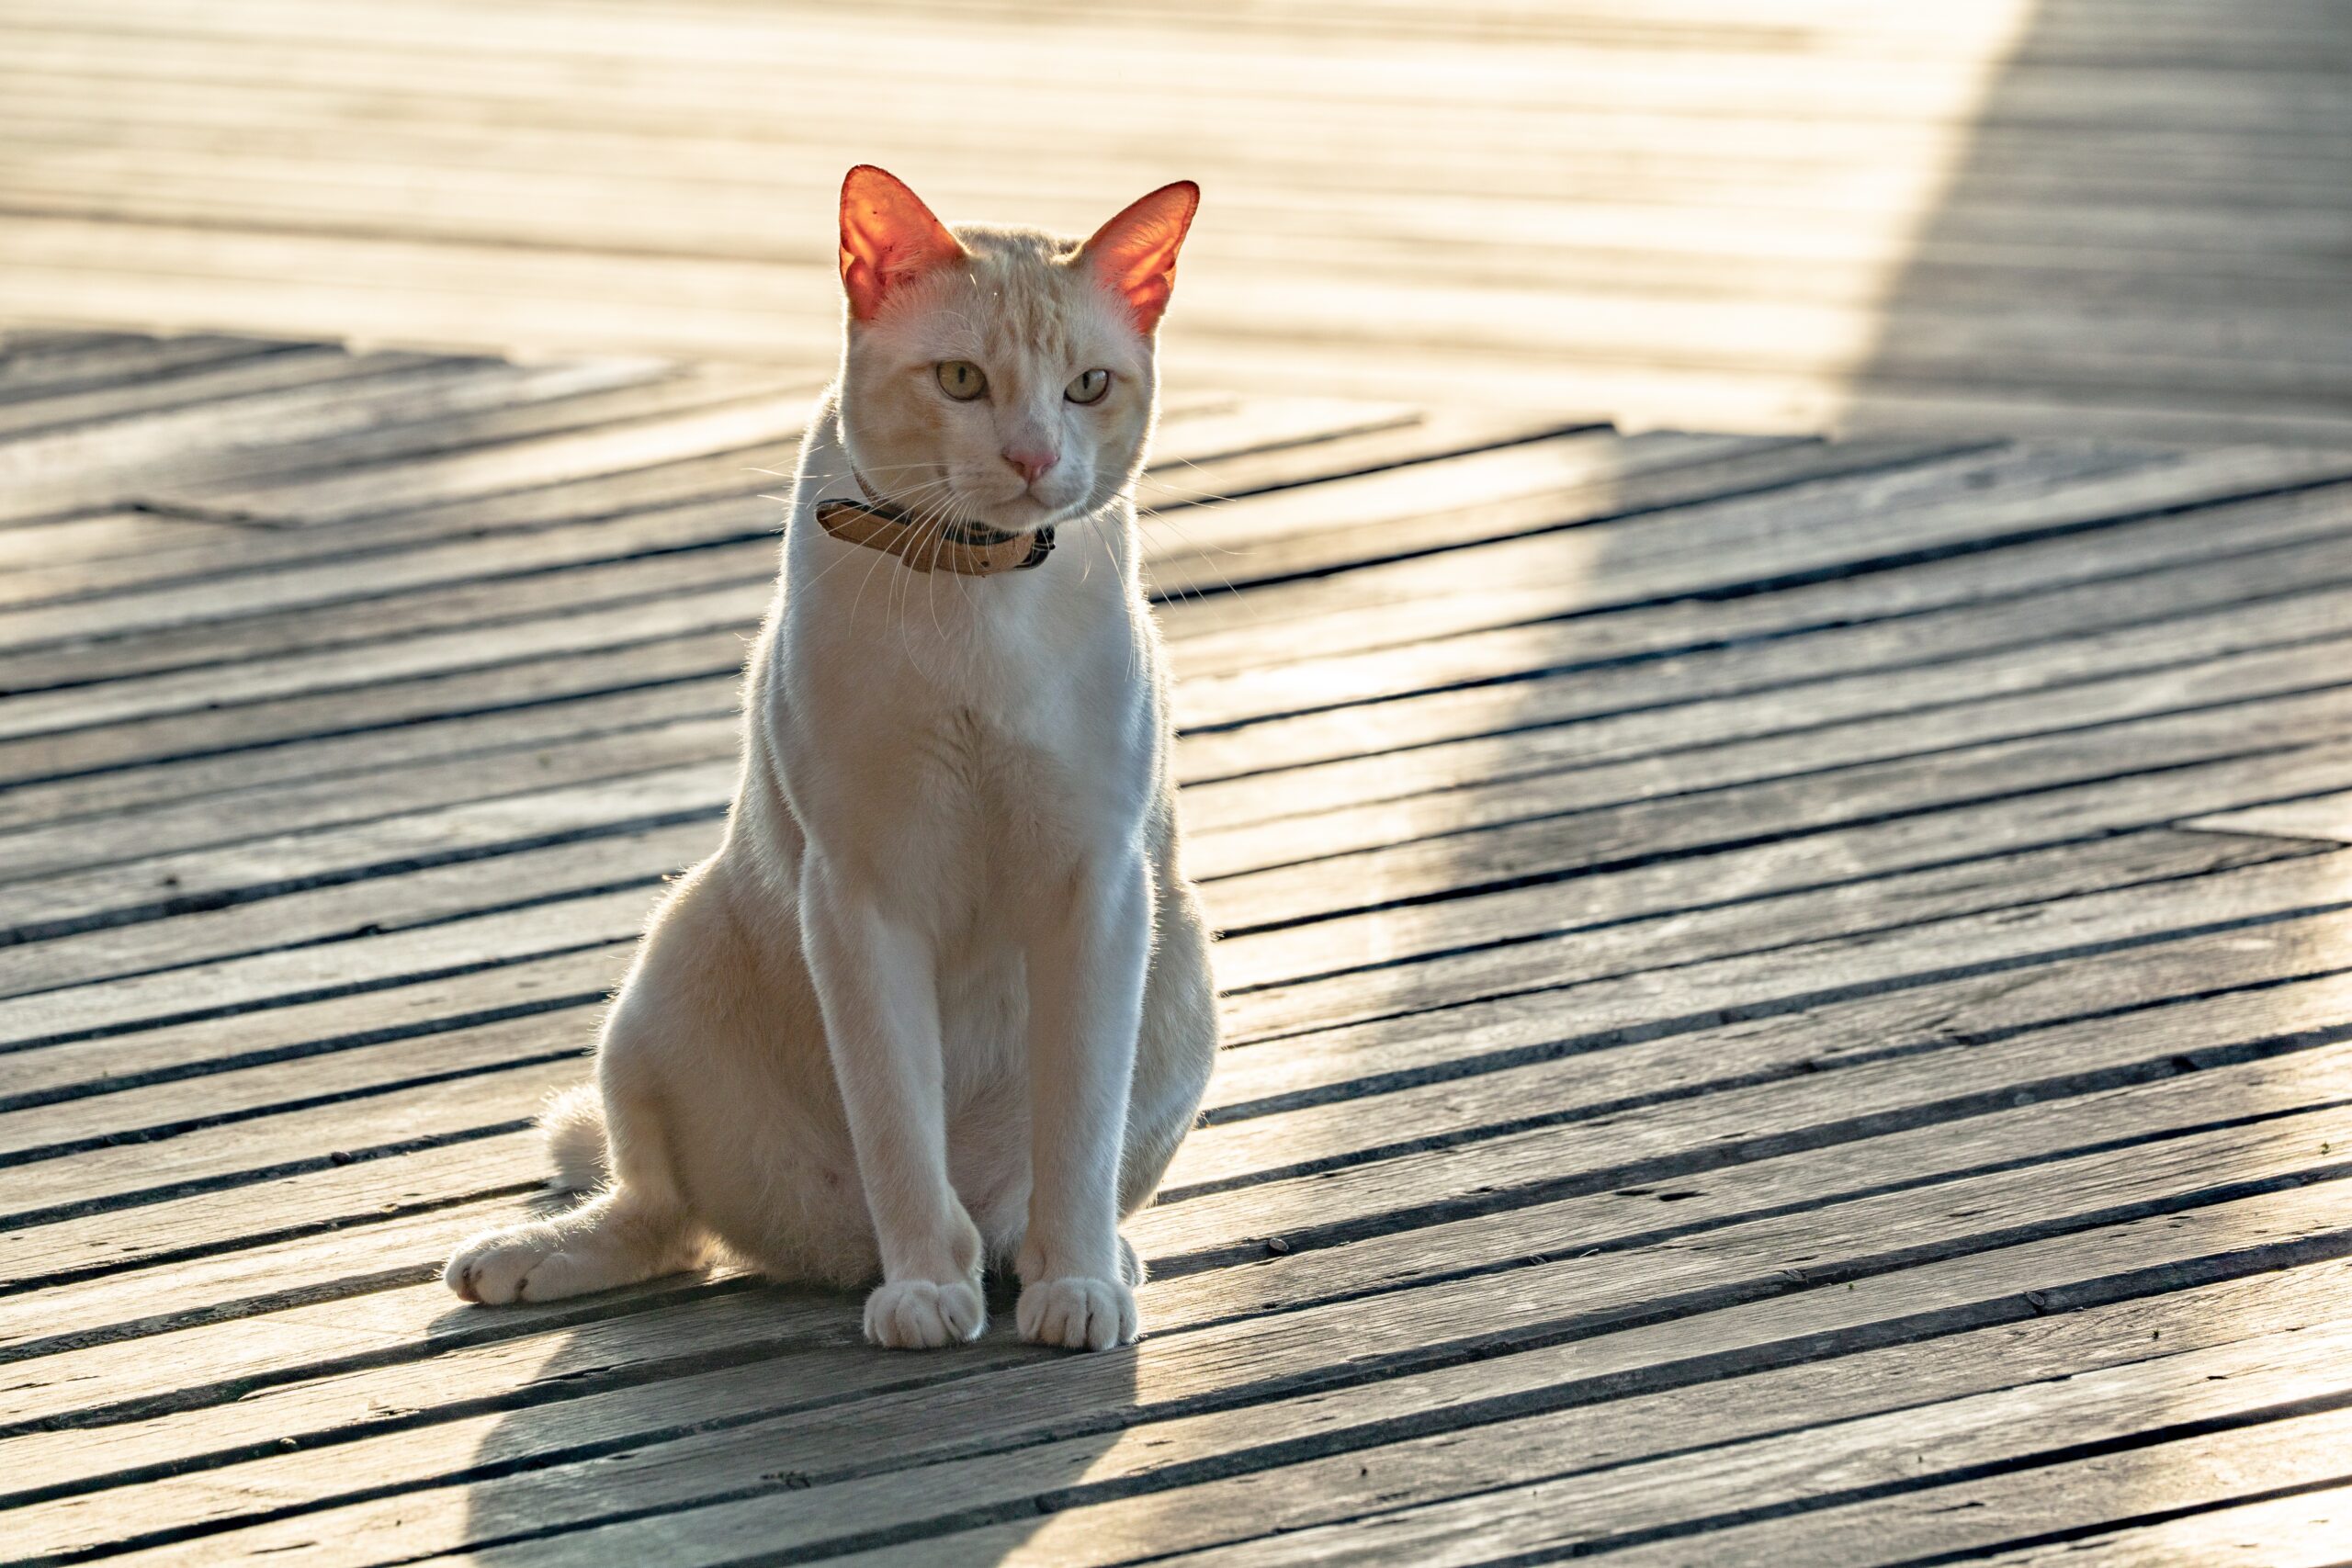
<point>889,238</point>
<point>1135,253</point>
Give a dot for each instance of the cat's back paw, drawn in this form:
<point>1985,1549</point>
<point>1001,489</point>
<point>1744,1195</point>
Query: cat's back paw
<point>923,1315</point>
<point>1078,1313</point>
<point>525,1264</point>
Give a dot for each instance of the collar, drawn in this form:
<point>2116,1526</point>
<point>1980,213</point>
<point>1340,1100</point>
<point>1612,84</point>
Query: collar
<point>967,549</point>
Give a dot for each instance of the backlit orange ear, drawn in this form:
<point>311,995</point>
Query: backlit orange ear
<point>1135,252</point>
<point>889,238</point>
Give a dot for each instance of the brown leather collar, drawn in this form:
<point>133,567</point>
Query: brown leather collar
<point>967,549</point>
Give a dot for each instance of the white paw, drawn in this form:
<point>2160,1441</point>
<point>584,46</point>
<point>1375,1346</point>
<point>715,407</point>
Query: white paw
<point>1078,1313</point>
<point>919,1314</point>
<point>526,1264</point>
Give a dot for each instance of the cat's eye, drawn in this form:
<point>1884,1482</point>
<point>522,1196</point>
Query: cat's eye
<point>1089,387</point>
<point>961,379</point>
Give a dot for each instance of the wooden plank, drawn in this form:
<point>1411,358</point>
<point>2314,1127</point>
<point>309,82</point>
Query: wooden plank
<point>140,1045</point>
<point>100,537</point>
<point>85,466</point>
<point>2326,817</point>
<point>2203,753</point>
<point>1684,572</point>
<point>1519,844</point>
<point>1754,544</point>
<point>720,475</point>
<point>2191,1475</point>
<point>422,788</point>
<point>1459,788</point>
<point>1638,715</point>
<point>2097,1335</point>
<point>659,693</point>
<point>142,1081</point>
<point>1974,1016</point>
<point>486,1159</point>
<point>1290,1353</point>
<point>1896,1460</point>
<point>78,363</point>
<point>1252,768</point>
<point>242,375</point>
<point>1330,1491</point>
<point>361,911</point>
<point>1216,708</point>
<point>2200,1097</point>
<point>2301,1531</point>
<point>1310,684</point>
<point>1316,529</point>
<point>651,555</point>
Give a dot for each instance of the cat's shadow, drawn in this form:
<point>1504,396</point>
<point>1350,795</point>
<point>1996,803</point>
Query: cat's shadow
<point>705,1417</point>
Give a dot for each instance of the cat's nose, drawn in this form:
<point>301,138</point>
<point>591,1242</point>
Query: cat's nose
<point>1031,462</point>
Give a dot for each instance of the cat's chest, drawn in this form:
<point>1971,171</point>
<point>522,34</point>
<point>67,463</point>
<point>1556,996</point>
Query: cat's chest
<point>962,758</point>
<point>976,812</point>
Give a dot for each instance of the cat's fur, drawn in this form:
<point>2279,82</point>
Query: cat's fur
<point>943,994</point>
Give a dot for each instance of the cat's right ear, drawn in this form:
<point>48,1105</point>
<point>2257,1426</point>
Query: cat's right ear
<point>889,238</point>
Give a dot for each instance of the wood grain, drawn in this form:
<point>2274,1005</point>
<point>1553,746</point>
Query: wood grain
<point>1750,961</point>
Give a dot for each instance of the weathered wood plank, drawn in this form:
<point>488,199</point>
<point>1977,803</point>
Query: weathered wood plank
<point>1480,830</point>
<point>2192,1474</point>
<point>412,402</point>
<point>1581,1454</point>
<point>1491,940</point>
<point>2326,817</point>
<point>84,748</point>
<point>1665,1137</point>
<point>1221,703</point>
<point>72,363</point>
<point>278,1067</point>
<point>1896,1460</point>
<point>1707,943</point>
<point>2301,1531</point>
<point>1807,715</point>
<point>1180,1373</point>
<point>2000,1134</point>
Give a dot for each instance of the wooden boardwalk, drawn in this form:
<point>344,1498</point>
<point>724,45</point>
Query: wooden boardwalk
<point>1790,1001</point>
<point>2128,216</point>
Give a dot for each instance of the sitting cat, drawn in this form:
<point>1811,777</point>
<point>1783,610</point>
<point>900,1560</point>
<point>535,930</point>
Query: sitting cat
<point>942,996</point>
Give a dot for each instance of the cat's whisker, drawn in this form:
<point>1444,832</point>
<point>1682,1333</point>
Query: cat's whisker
<point>1222,577</point>
<point>1190,497</point>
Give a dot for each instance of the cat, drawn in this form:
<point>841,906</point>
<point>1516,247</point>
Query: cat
<point>942,997</point>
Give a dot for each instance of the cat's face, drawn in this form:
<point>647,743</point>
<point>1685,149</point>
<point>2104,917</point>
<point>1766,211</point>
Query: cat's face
<point>1000,376</point>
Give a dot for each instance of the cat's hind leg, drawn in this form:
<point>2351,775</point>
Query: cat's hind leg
<point>618,1237</point>
<point>634,1229</point>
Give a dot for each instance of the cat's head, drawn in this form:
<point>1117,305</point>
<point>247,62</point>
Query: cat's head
<point>1000,376</point>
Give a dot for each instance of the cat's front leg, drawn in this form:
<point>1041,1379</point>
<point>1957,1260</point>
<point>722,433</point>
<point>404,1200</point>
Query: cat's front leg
<point>1086,966</point>
<point>877,984</point>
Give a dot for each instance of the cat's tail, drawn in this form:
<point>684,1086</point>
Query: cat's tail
<point>574,1124</point>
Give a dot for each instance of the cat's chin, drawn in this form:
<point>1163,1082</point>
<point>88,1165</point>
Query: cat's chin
<point>1022,515</point>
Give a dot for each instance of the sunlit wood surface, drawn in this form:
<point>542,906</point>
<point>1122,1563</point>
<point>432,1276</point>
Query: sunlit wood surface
<point>1789,1002</point>
<point>2130,216</point>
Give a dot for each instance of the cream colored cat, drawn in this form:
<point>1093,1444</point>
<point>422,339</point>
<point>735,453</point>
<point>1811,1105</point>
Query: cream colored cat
<point>943,994</point>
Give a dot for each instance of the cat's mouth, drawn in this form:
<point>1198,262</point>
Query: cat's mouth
<point>1023,512</point>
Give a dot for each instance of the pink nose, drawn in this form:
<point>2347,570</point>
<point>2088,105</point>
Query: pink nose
<point>1031,462</point>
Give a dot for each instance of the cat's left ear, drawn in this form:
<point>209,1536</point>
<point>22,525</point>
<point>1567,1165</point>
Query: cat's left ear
<point>1135,253</point>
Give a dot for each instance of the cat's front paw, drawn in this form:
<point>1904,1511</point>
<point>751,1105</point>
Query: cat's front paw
<point>1078,1313</point>
<point>922,1314</point>
<point>526,1263</point>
